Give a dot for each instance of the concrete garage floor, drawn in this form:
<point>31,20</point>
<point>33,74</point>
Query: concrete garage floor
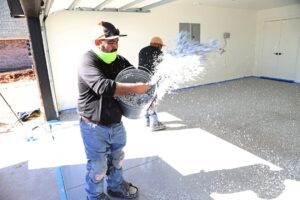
<point>234,140</point>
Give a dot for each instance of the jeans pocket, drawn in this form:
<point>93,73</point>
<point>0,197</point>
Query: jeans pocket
<point>86,128</point>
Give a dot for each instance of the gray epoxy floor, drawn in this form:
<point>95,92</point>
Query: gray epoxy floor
<point>233,140</point>
<point>229,141</point>
<point>20,176</point>
<point>17,182</point>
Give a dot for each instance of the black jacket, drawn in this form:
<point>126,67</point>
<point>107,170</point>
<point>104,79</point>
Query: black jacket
<point>150,57</point>
<point>97,86</point>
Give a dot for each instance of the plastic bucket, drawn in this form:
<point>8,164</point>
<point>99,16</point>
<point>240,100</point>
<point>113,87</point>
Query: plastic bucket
<point>134,106</point>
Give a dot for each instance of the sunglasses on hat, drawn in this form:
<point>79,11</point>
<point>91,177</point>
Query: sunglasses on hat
<point>109,31</point>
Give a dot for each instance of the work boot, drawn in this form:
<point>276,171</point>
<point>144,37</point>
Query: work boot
<point>158,126</point>
<point>147,123</point>
<point>101,197</point>
<point>125,190</point>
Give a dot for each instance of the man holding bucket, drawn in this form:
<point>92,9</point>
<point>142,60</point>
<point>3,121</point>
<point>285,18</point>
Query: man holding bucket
<point>149,57</point>
<point>101,128</point>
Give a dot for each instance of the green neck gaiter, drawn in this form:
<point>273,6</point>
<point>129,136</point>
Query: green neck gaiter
<point>106,57</point>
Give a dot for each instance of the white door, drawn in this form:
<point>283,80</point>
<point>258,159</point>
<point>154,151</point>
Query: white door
<point>271,43</point>
<point>280,49</point>
<point>289,45</point>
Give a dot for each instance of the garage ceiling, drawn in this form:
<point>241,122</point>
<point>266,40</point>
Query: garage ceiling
<point>245,4</point>
<point>33,7</point>
<point>147,5</point>
<point>104,5</point>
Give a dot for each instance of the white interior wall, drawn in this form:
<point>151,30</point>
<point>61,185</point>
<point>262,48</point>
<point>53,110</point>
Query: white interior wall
<point>286,12</point>
<point>68,37</point>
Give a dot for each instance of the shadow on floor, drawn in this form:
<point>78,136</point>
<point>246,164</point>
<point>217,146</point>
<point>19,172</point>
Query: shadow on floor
<point>19,182</point>
<point>158,180</point>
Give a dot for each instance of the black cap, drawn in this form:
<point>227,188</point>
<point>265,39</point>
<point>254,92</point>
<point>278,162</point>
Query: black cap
<point>108,31</point>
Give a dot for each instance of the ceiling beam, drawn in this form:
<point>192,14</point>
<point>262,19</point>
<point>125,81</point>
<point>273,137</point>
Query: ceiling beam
<point>131,4</point>
<point>153,5</point>
<point>135,10</point>
<point>103,4</point>
<point>109,10</point>
<point>112,10</point>
<point>127,10</point>
<point>74,4</point>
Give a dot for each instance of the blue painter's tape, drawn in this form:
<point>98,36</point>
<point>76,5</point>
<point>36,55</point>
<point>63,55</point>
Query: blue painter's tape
<point>53,121</point>
<point>61,185</point>
<point>262,77</point>
<point>277,79</point>
<point>196,86</point>
<point>50,124</point>
<point>66,110</point>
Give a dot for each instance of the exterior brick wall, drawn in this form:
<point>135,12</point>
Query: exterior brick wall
<point>14,55</point>
<point>11,27</point>
<point>13,36</point>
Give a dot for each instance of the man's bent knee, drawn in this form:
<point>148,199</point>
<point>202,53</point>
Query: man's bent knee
<point>96,178</point>
<point>98,171</point>
<point>118,159</point>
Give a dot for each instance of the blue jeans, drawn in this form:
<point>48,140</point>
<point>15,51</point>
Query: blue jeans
<point>151,117</point>
<point>104,151</point>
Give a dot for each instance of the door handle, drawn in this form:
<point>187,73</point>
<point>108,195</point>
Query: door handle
<point>276,54</point>
<point>279,54</point>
